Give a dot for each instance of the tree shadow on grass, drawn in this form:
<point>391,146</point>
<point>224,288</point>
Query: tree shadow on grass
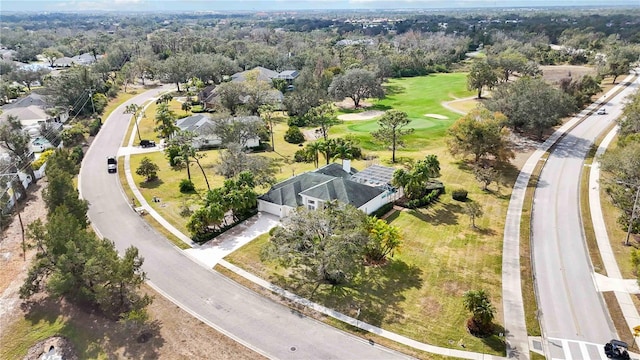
<point>440,214</point>
<point>391,90</point>
<point>485,231</point>
<point>151,184</point>
<point>374,297</point>
<point>380,107</point>
<point>495,341</point>
<point>91,333</point>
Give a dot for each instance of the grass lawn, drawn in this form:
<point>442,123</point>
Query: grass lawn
<point>45,320</point>
<point>416,96</point>
<point>166,187</point>
<point>148,122</point>
<point>119,100</point>
<point>419,294</point>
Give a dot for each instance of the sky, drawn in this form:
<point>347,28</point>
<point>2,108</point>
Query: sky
<point>266,5</point>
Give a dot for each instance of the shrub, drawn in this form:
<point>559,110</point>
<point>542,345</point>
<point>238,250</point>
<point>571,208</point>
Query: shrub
<point>459,194</point>
<point>185,211</point>
<point>302,156</point>
<point>42,159</point>
<point>77,154</point>
<point>173,153</point>
<point>382,210</point>
<point>186,186</point>
<point>94,127</point>
<point>425,200</point>
<point>294,135</point>
<point>299,121</point>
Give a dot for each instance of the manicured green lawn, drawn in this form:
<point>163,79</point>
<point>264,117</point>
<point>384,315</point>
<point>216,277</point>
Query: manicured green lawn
<point>417,97</point>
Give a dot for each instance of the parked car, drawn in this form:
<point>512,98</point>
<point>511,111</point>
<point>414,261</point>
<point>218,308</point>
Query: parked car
<point>602,111</point>
<point>112,164</point>
<point>147,143</point>
<point>616,349</point>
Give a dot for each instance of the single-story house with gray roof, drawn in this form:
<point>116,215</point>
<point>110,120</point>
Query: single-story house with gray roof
<point>204,129</point>
<point>33,110</point>
<point>331,182</point>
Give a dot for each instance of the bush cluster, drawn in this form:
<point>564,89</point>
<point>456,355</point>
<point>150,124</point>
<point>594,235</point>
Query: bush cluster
<point>42,159</point>
<point>425,200</point>
<point>186,186</point>
<point>294,135</point>
<point>459,194</point>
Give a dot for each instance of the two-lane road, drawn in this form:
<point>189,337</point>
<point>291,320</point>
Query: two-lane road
<point>270,328</point>
<point>574,317</point>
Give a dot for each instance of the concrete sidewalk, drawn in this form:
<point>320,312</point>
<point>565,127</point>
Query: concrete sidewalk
<point>514,317</point>
<point>614,281</point>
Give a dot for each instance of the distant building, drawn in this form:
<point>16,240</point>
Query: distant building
<point>204,129</point>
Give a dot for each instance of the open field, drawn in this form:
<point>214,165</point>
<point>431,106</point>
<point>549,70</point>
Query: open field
<point>553,73</point>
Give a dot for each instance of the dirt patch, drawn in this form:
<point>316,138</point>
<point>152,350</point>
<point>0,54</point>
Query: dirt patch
<point>13,261</point>
<point>553,73</point>
<point>436,116</point>
<point>172,333</point>
<point>523,147</point>
<point>347,103</point>
<point>367,115</point>
<point>58,345</point>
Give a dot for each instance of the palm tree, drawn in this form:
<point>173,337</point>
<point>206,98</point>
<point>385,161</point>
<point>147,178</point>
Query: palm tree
<point>327,148</point>
<point>479,304</point>
<point>135,110</point>
<point>165,120</point>
<point>343,151</point>
<point>313,149</point>
<point>267,114</point>
<point>186,106</point>
<point>164,99</point>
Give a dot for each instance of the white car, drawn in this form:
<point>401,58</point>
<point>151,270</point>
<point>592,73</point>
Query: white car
<point>602,111</point>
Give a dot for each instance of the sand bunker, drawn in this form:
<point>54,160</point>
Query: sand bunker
<point>367,115</point>
<point>436,116</point>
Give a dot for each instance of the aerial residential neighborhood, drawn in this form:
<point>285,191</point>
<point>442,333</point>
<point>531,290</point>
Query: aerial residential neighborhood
<point>315,180</point>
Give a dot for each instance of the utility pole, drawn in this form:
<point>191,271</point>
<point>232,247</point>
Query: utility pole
<point>15,204</point>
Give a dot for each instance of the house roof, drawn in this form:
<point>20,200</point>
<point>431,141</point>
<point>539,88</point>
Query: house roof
<point>202,124</point>
<point>343,190</point>
<point>30,107</point>
<point>374,175</point>
<point>63,61</point>
<point>288,74</point>
<point>335,170</point>
<point>288,192</point>
<point>199,124</point>
<point>329,182</point>
<point>264,74</point>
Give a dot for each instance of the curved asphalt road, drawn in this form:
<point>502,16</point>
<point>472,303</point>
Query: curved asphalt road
<point>574,317</point>
<point>267,327</point>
